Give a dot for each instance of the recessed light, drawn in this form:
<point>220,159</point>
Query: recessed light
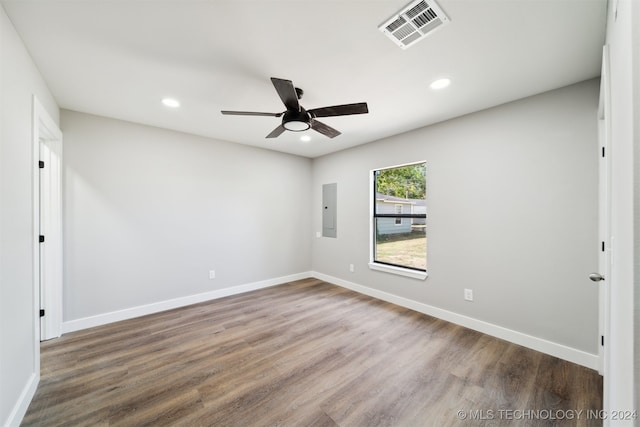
<point>440,83</point>
<point>170,102</point>
<point>305,138</point>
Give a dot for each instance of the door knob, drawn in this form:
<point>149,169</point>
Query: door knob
<point>596,277</point>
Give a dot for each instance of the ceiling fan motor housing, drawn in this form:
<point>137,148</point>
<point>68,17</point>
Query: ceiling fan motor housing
<point>296,121</point>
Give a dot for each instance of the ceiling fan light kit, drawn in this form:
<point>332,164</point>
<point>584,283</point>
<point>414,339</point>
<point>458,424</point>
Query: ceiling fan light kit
<point>296,118</point>
<point>296,121</point>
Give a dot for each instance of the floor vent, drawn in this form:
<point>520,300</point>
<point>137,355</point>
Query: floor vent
<point>414,22</point>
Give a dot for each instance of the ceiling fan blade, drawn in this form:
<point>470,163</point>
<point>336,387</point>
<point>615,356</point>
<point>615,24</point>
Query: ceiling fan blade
<point>324,129</point>
<point>340,110</point>
<point>276,132</point>
<point>287,93</point>
<point>250,113</point>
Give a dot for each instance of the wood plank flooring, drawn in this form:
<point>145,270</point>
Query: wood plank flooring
<point>306,353</point>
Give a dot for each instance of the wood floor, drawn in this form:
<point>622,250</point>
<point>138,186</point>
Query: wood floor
<point>305,353</point>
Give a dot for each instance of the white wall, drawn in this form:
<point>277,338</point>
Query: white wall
<point>148,212</point>
<point>19,80</point>
<point>512,214</point>
<point>619,385</point>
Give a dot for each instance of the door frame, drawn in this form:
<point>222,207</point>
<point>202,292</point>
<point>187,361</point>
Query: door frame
<point>47,265</point>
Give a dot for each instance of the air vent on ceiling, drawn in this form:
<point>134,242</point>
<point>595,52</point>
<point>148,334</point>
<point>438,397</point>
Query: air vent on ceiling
<point>414,22</point>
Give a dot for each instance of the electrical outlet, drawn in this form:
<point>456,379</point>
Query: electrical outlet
<point>351,268</point>
<point>468,294</point>
<point>212,274</point>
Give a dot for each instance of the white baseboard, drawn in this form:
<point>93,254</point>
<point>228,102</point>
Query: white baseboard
<point>554,349</point>
<point>143,310</point>
<point>20,408</point>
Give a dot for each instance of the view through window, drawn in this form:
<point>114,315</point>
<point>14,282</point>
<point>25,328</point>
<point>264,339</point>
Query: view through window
<point>400,216</point>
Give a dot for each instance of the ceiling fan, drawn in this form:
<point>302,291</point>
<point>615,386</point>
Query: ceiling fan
<point>296,118</point>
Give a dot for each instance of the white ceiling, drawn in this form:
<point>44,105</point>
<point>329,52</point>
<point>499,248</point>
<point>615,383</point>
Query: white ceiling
<point>119,58</point>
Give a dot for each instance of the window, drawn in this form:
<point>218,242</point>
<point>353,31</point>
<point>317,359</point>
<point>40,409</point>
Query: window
<point>398,222</point>
<point>399,211</point>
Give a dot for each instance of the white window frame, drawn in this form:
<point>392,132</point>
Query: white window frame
<point>373,265</point>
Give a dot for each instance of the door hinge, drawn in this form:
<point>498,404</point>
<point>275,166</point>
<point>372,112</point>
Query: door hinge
<point>42,312</point>
<point>603,152</point>
<point>602,340</point>
<point>602,246</point>
<point>40,164</point>
<point>41,239</point>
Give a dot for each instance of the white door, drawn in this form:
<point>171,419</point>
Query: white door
<point>604,259</point>
<point>49,225</point>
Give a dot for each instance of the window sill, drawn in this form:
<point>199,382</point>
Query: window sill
<point>414,274</point>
